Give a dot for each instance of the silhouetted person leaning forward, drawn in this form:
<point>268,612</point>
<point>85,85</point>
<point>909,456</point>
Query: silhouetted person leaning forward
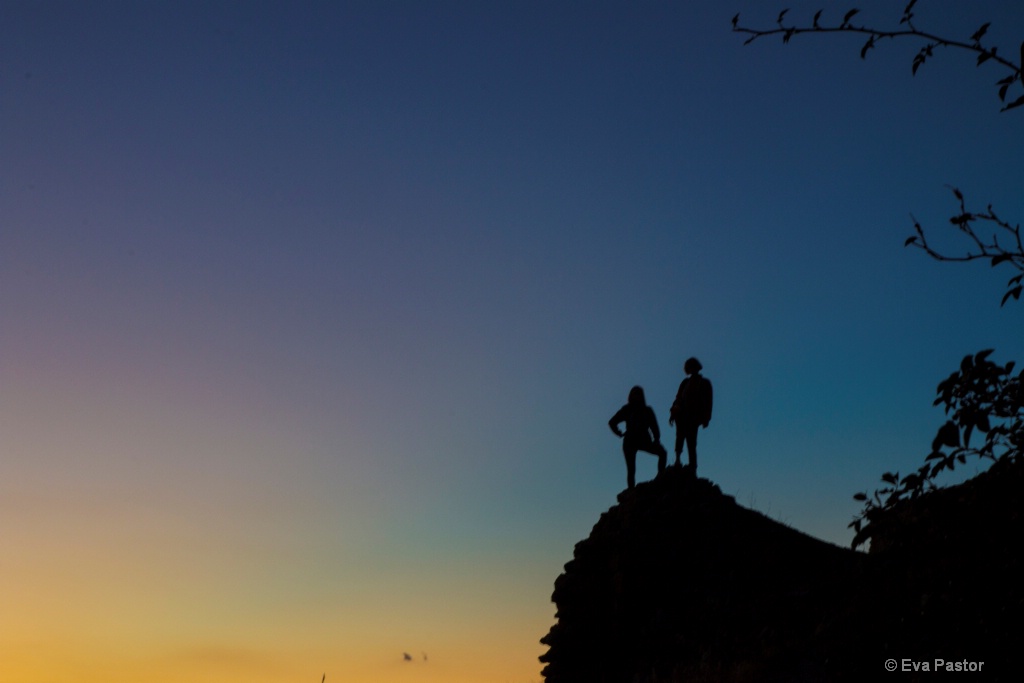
<point>691,410</point>
<point>642,433</point>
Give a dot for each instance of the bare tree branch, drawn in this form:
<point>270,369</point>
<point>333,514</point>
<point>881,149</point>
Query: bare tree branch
<point>1010,252</point>
<point>932,41</point>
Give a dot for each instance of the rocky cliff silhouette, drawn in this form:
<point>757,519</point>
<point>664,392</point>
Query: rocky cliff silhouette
<point>679,583</point>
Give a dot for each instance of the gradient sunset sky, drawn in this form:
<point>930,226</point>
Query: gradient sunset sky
<point>312,315</point>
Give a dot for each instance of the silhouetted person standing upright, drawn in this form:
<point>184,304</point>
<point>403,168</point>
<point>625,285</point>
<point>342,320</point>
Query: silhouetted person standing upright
<point>642,433</point>
<point>691,410</point>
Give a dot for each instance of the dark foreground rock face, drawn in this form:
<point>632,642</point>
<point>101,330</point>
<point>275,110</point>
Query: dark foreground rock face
<point>947,577</point>
<point>679,583</point>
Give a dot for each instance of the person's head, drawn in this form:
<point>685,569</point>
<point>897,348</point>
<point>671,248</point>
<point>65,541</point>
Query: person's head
<point>636,396</point>
<point>692,366</point>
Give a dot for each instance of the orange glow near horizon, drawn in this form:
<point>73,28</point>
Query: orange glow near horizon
<point>84,625</point>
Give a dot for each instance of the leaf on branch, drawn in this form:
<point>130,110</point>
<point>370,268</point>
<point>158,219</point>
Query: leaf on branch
<point>1016,103</point>
<point>781,15</point>
<point>911,481</point>
<point>1015,293</point>
<point>948,435</point>
<point>860,497</point>
<point>918,61</point>
<point>999,258</point>
<point>910,240</point>
<point>981,31</point>
<point>817,15</point>
<point>735,20</point>
<point>966,364</point>
<point>962,219</point>
<point>1015,279</point>
<point>1004,85</point>
<point>788,34</point>
<point>907,14</point>
<point>890,478</point>
<point>867,46</point>
<point>981,356</point>
<point>849,15</point>
<point>957,193</point>
<point>983,57</point>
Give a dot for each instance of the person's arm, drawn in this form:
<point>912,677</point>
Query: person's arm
<point>654,425</point>
<point>616,420</point>
<point>673,412</point>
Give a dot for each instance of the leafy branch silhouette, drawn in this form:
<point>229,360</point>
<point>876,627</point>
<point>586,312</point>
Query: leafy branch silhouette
<point>981,396</point>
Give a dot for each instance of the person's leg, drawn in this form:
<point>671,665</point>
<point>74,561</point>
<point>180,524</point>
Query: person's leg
<point>662,454</point>
<point>691,445</point>
<point>655,449</point>
<point>630,454</point>
<point>680,436</point>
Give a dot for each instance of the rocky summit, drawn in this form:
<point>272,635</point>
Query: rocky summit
<point>677,582</point>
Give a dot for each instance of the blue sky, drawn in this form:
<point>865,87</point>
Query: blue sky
<point>361,283</point>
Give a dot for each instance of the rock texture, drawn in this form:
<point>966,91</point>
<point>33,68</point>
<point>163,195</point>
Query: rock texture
<point>679,583</point>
